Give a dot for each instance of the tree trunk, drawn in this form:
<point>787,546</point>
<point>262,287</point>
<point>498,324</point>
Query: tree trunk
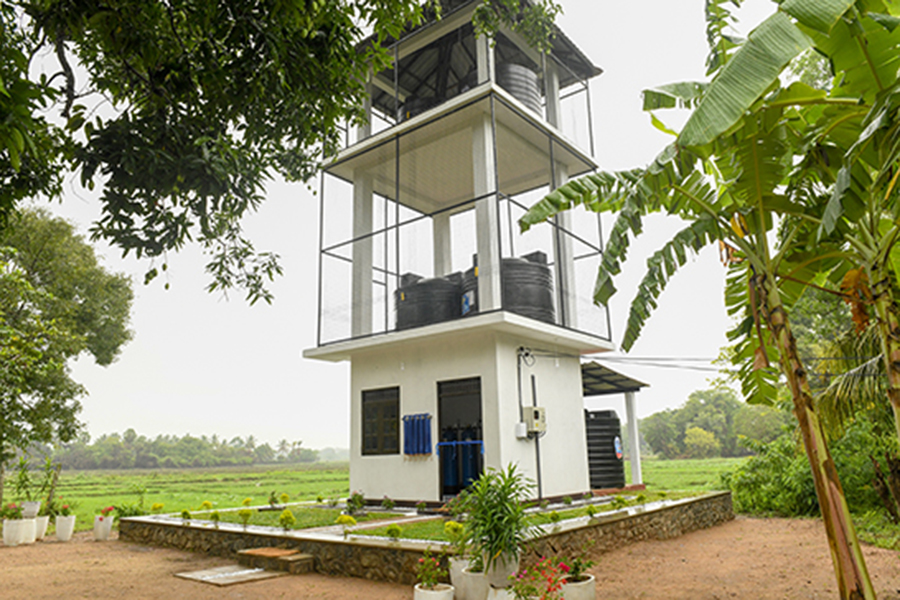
<point>889,332</point>
<point>2,479</point>
<point>846,553</point>
<point>884,492</point>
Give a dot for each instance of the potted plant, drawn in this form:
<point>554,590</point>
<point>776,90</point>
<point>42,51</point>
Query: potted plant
<point>428,572</point>
<point>103,524</point>
<point>496,526</point>
<point>42,521</point>
<point>12,524</point>
<point>474,585</point>
<point>24,488</point>
<point>454,531</point>
<point>65,523</point>
<point>578,585</point>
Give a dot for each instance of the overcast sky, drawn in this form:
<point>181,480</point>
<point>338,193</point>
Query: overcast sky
<point>204,364</point>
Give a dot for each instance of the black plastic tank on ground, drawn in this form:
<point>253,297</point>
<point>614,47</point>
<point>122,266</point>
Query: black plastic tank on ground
<point>527,288</point>
<point>522,83</point>
<point>420,301</point>
<point>604,447</point>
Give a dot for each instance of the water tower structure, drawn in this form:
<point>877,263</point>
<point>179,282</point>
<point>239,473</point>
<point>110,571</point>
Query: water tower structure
<point>464,336</point>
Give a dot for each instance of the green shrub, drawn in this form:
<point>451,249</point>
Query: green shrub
<point>393,531</point>
<point>778,479</point>
<point>287,519</point>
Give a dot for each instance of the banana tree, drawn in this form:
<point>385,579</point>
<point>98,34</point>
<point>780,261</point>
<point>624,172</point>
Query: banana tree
<point>729,176</point>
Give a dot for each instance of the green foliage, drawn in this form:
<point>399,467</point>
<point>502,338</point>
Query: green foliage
<point>387,503</point>
<point>186,515</point>
<point>778,479</point>
<point>245,514</point>
<point>345,521</point>
<point>131,509</point>
<point>533,20</point>
<point>355,503</point>
<point>130,450</point>
<point>287,519</point>
<point>455,533</point>
<point>713,411</point>
<point>207,100</point>
<point>699,443</point>
<point>215,518</point>
<point>393,531</point>
<point>567,500</point>
<point>497,523</point>
<point>56,303</point>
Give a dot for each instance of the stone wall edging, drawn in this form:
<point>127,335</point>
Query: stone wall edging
<point>384,560</point>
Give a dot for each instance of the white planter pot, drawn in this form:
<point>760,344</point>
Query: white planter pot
<point>12,532</point>
<point>504,566</point>
<point>441,591</point>
<point>457,564</point>
<point>30,509</point>
<point>65,526</point>
<point>41,527</point>
<point>580,590</point>
<point>102,527</point>
<point>28,531</point>
<point>473,586</point>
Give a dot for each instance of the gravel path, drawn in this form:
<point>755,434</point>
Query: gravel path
<point>745,558</point>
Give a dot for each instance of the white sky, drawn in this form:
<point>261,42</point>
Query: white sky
<point>203,364</point>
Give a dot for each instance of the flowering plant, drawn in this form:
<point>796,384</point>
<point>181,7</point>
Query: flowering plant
<point>65,510</point>
<point>104,512</point>
<point>429,570</point>
<point>543,580</point>
<point>12,511</point>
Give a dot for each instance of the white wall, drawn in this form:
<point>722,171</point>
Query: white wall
<point>417,366</point>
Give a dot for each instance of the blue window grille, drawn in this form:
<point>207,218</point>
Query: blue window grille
<point>417,434</point>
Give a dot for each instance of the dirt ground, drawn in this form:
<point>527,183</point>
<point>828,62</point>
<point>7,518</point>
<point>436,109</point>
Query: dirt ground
<point>746,558</point>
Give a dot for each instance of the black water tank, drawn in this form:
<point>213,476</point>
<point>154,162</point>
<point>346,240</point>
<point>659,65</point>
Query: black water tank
<point>604,447</point>
<point>522,83</point>
<point>420,301</point>
<point>527,288</point>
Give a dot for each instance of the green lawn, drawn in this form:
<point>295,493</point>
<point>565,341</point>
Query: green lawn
<point>701,475</point>
<point>307,516</point>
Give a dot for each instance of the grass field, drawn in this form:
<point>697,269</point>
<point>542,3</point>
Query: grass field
<point>699,475</point>
<point>186,489</point>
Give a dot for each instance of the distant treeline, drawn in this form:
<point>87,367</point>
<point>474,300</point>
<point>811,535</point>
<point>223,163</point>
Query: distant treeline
<point>132,451</point>
<point>712,423</point>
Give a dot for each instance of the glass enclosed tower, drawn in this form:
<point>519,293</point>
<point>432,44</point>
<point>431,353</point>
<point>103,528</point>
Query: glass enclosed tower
<point>463,334</point>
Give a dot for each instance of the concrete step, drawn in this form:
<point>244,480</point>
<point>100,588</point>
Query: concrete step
<point>277,559</point>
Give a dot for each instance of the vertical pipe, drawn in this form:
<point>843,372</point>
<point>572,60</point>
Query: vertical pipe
<point>537,441</point>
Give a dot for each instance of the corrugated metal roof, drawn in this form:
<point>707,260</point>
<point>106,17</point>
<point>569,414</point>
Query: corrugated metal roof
<point>441,70</point>
<point>598,380</point>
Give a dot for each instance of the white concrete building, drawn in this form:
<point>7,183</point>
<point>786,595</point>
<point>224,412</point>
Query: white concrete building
<point>464,335</point>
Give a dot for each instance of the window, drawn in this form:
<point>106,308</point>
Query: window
<point>381,421</point>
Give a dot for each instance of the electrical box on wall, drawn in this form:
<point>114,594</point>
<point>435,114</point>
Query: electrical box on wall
<point>536,419</point>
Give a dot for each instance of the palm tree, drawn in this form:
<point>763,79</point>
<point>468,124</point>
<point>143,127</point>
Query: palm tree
<point>730,176</point>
